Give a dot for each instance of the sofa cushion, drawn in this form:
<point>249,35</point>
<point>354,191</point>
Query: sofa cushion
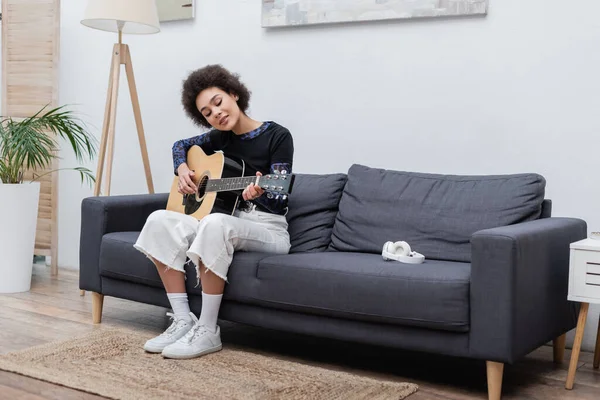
<point>362,286</point>
<point>436,214</point>
<point>312,207</point>
<point>120,260</point>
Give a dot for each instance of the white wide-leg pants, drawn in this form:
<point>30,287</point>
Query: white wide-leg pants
<point>171,237</point>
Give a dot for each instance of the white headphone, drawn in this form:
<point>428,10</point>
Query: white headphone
<point>400,251</point>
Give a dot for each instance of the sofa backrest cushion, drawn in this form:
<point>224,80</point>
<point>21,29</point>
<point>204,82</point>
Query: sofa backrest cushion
<point>436,214</point>
<point>546,208</point>
<point>312,207</point>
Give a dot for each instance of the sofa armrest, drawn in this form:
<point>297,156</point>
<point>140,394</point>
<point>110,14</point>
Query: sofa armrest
<point>106,214</point>
<point>519,285</point>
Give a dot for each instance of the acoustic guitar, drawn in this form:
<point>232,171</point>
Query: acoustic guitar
<point>220,181</point>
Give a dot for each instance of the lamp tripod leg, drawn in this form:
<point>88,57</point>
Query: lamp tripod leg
<point>108,116</point>
<point>138,117</point>
<point>116,73</point>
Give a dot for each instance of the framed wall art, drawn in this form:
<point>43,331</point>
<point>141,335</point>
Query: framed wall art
<point>305,12</point>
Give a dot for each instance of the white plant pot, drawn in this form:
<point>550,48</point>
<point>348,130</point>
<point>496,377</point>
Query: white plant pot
<point>18,223</point>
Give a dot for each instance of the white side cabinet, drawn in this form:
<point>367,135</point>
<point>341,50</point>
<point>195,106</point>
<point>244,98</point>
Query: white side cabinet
<point>584,287</point>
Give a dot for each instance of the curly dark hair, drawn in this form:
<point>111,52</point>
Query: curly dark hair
<point>211,76</point>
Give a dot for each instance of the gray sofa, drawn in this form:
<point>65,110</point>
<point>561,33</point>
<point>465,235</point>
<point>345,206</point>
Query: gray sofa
<point>493,286</point>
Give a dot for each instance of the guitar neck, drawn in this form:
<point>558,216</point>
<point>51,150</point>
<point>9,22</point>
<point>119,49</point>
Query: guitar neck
<point>226,184</point>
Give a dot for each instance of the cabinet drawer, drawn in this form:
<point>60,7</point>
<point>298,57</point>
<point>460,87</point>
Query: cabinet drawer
<point>584,278</point>
<point>592,279</point>
<point>592,268</point>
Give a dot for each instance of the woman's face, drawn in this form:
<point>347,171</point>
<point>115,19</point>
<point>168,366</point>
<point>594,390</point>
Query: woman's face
<point>219,108</point>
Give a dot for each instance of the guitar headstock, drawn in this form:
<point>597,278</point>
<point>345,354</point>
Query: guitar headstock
<point>280,184</point>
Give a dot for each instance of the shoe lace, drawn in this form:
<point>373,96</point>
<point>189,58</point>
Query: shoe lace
<point>196,331</point>
<point>173,327</point>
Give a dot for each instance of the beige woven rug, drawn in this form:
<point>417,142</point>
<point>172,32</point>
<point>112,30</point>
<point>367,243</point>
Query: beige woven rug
<point>112,363</point>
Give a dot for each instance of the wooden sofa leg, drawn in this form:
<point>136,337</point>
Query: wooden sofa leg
<point>97,303</point>
<point>495,372</point>
<point>559,348</point>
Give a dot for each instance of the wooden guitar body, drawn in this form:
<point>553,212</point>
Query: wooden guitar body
<point>205,167</point>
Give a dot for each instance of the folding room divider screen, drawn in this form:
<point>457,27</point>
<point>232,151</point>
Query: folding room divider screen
<point>30,57</point>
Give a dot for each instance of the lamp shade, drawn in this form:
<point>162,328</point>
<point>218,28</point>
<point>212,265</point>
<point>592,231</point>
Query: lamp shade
<point>133,16</point>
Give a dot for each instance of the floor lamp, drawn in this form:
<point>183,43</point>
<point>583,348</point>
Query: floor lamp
<point>129,17</point>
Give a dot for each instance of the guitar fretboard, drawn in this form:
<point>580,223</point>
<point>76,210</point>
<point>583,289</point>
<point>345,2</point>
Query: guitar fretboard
<point>225,184</point>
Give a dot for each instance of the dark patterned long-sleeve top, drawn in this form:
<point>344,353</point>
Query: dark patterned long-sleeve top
<point>268,149</point>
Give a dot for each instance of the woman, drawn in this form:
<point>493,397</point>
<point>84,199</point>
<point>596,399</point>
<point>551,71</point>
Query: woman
<point>214,97</point>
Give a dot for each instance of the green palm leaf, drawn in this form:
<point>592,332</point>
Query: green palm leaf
<point>31,144</point>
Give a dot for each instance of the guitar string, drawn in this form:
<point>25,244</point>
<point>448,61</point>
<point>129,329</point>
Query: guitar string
<point>204,185</point>
<point>209,181</point>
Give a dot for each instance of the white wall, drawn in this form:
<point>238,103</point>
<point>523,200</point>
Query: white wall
<point>1,99</point>
<point>515,91</point>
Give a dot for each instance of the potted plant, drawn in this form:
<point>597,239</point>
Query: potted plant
<point>28,145</point>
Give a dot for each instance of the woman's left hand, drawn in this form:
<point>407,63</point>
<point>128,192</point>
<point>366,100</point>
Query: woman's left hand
<point>252,191</point>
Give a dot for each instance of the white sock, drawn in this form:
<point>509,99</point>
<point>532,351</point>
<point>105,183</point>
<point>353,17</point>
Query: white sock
<point>210,310</point>
<point>180,305</point>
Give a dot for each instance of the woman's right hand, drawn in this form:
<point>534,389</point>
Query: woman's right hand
<point>186,185</point>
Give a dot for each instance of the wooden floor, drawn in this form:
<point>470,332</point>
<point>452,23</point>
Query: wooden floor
<point>53,310</point>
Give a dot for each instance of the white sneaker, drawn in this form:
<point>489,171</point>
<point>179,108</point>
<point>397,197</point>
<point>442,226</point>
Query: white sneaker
<point>197,342</point>
<point>177,330</point>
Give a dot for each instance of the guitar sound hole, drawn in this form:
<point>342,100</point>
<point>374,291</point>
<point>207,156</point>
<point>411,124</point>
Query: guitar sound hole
<point>202,187</point>
<point>193,202</point>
